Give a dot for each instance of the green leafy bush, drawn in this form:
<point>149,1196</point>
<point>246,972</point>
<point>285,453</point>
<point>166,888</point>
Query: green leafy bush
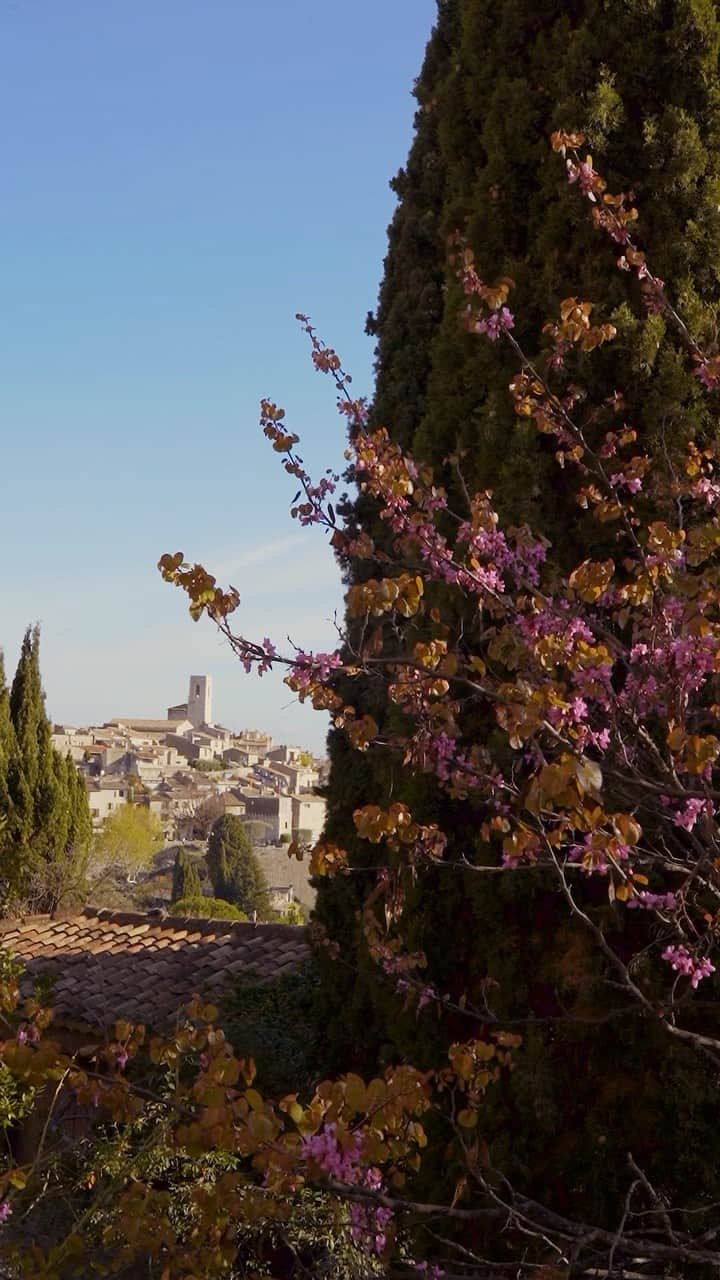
<point>276,1024</point>
<point>210,908</point>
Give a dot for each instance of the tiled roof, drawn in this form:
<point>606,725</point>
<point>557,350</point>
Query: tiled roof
<point>109,964</point>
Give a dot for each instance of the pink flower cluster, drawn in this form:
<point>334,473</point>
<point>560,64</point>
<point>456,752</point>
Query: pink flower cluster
<point>28,1033</point>
<point>680,959</point>
<point>356,412</point>
<point>593,854</point>
<point>706,490</point>
<point>633,484</point>
<point>691,811</point>
<point>496,324</point>
<point>5,1211</point>
<point>323,1147</point>
<point>311,667</point>
<point>653,901</point>
<point>585,176</point>
<point>368,1224</point>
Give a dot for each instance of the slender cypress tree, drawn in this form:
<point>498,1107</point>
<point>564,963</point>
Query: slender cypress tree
<point>50,819</point>
<point>26,711</point>
<point>10,860</point>
<point>80,824</point>
<point>642,80</point>
<point>186,881</point>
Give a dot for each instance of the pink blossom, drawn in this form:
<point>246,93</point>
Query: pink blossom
<point>368,1224</point>
<point>495,325</point>
<point>426,995</point>
<point>653,901</point>
<point>708,371</point>
<point>28,1033</point>
<point>682,962</point>
<point>584,175</point>
<point>309,667</point>
<point>706,490</point>
<point>323,1147</point>
<point>270,653</point>
<point>5,1211</point>
<point>689,814</point>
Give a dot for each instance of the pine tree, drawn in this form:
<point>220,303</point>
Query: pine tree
<point>235,872</point>
<point>643,81</point>
<point>186,881</point>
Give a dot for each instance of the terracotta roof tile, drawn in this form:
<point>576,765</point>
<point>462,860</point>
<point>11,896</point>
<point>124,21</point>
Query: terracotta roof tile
<point>106,964</point>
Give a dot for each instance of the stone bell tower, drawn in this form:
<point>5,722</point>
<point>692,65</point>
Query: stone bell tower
<point>199,703</point>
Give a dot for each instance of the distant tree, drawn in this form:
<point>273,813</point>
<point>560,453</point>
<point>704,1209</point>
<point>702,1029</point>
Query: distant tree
<point>292,914</point>
<point>9,843</point>
<point>128,838</point>
<point>186,881</point>
<point>48,820</point>
<point>235,872</point>
<point>258,831</point>
<point>208,908</point>
<point>205,815</point>
<point>27,712</point>
<point>208,766</point>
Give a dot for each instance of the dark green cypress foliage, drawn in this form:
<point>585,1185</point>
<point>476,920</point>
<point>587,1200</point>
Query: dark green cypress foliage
<point>52,803</point>
<point>10,861</point>
<point>51,817</point>
<point>235,872</point>
<point>26,711</point>
<point>642,79</point>
<point>73,853</point>
<point>410,305</point>
<point>80,826</point>
<point>186,881</point>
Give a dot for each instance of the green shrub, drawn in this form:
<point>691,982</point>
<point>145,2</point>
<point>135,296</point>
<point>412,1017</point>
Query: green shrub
<point>210,908</point>
<point>276,1024</point>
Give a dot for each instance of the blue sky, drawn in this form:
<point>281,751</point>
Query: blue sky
<point>179,177</point>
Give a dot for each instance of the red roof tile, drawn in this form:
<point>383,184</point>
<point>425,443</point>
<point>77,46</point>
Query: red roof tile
<point>106,965</point>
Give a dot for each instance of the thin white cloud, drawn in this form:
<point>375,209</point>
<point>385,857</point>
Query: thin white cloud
<point>226,564</point>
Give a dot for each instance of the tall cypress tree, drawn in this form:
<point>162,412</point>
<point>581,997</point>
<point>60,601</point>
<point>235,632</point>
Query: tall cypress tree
<point>235,872</point>
<point>186,881</point>
<point>50,818</point>
<point>26,711</point>
<point>10,861</point>
<point>80,832</point>
<point>642,79</point>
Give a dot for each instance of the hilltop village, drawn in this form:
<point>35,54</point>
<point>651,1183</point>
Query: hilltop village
<point>189,771</point>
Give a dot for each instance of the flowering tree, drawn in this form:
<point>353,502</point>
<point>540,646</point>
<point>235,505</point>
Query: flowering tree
<point>597,769</point>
